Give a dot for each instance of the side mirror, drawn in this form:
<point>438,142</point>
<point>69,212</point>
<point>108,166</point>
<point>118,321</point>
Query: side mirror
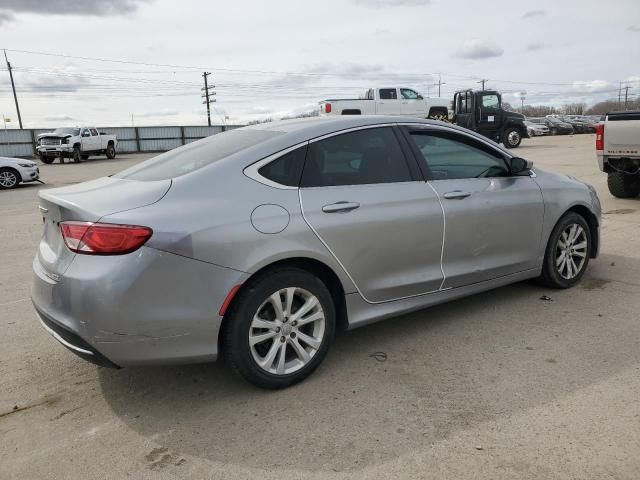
<point>420,97</point>
<point>520,166</point>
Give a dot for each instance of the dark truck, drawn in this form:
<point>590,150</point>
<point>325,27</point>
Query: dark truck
<point>482,112</point>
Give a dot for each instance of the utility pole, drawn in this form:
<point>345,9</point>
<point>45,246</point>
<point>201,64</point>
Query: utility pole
<point>13,86</point>
<point>482,82</point>
<point>207,95</point>
<point>626,96</point>
<point>440,83</point>
<point>619,93</point>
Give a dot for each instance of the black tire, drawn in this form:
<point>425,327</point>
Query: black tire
<point>551,276</point>
<point>623,186</point>
<point>9,178</point>
<point>238,321</point>
<point>77,156</point>
<point>46,159</point>
<point>553,131</point>
<point>111,152</point>
<point>512,137</point>
<point>84,156</point>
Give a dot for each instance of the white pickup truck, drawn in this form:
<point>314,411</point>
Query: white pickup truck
<point>76,143</point>
<point>388,101</point>
<point>618,150</point>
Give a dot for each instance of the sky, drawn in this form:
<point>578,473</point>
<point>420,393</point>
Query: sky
<point>124,62</point>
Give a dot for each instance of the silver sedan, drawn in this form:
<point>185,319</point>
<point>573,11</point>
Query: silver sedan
<point>257,243</point>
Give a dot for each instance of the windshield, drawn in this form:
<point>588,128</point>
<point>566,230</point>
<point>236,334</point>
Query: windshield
<point>196,155</point>
<point>67,131</point>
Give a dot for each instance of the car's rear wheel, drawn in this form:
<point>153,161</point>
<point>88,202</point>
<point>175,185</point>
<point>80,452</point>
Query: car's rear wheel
<point>568,252</point>
<point>9,178</point>
<point>622,185</point>
<point>279,328</point>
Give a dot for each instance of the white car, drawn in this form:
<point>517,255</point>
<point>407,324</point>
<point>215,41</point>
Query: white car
<point>13,171</point>
<point>535,129</point>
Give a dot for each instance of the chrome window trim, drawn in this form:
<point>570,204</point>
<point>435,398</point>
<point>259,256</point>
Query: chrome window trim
<point>252,170</point>
<point>352,129</point>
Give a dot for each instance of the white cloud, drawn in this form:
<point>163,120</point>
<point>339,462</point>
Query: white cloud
<point>477,49</point>
<point>58,118</point>
<point>592,85</point>
<point>533,47</point>
<point>393,3</point>
<point>534,13</point>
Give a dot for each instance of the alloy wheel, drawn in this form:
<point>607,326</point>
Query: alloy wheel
<point>513,137</point>
<point>8,179</point>
<point>287,331</point>
<point>571,251</point>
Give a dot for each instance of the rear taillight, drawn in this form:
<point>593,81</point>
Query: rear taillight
<point>103,238</point>
<point>327,108</point>
<point>600,136</point>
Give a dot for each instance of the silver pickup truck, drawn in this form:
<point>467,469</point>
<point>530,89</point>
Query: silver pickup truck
<point>618,150</point>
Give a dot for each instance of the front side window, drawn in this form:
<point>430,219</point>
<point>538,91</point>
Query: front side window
<point>388,94</point>
<point>94,132</point>
<point>450,156</point>
<point>362,157</point>
<point>490,101</point>
<point>85,133</point>
<point>409,94</point>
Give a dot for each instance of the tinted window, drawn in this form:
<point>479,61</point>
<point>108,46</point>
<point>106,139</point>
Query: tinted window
<point>490,101</point>
<point>366,156</point>
<point>388,94</point>
<point>455,156</point>
<point>196,155</point>
<point>287,169</point>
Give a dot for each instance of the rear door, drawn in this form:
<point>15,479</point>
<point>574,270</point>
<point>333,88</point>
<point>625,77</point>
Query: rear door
<point>388,102</point>
<point>412,103</point>
<point>493,220</point>
<point>368,205</point>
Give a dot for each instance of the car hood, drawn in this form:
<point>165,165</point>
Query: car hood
<point>54,135</point>
<point>514,115</point>
<point>15,161</point>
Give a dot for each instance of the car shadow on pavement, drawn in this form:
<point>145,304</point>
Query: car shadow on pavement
<point>395,387</point>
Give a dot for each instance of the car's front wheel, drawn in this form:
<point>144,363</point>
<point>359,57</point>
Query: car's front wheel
<point>512,138</point>
<point>568,252</point>
<point>279,328</point>
<point>9,178</point>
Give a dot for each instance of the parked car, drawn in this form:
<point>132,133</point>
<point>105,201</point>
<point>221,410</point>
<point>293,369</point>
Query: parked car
<point>535,129</point>
<point>482,112</point>
<point>77,143</point>
<point>14,171</point>
<point>388,101</point>
<point>555,126</point>
<point>259,242</point>
<point>618,151</point>
<point>579,125</point>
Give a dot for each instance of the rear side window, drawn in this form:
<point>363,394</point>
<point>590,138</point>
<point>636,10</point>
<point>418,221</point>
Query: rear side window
<point>388,94</point>
<point>94,132</point>
<point>196,155</point>
<point>366,156</point>
<point>287,169</point>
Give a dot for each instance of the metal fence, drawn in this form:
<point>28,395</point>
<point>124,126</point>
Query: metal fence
<point>22,143</point>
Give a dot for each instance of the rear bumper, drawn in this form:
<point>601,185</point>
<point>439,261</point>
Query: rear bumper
<point>73,342</point>
<point>145,308</point>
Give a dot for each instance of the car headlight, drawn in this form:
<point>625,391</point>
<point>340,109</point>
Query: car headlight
<point>27,165</point>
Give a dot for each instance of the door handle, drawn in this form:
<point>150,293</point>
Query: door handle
<point>338,207</point>
<point>456,195</point>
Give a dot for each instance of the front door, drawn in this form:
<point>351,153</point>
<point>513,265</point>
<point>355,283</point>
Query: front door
<point>367,205</point>
<point>388,102</point>
<point>493,220</point>
<point>489,114</point>
<point>412,103</point>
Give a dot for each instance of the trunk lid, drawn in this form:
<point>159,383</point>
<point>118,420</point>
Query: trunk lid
<point>87,202</point>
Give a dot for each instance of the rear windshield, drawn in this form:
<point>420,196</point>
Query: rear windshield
<point>196,155</point>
